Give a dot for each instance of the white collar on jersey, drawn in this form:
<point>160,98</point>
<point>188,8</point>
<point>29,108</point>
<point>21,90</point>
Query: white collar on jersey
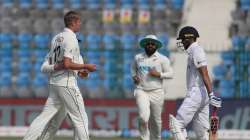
<point>153,55</point>
<point>69,30</point>
<point>192,46</point>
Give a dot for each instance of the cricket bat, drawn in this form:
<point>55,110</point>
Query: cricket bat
<point>214,125</point>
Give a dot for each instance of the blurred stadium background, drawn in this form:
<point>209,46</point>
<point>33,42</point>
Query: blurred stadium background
<point>109,38</point>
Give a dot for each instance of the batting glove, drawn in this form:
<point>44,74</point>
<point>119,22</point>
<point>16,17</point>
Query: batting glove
<point>215,101</point>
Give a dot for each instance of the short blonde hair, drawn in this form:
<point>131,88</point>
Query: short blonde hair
<point>70,17</point>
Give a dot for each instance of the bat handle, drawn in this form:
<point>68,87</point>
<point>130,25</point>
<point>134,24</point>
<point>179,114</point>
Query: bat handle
<point>214,112</point>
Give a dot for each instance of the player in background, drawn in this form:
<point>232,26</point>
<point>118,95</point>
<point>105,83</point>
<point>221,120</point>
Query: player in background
<point>64,94</point>
<point>195,106</point>
<point>148,71</point>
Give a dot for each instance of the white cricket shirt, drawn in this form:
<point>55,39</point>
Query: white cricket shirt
<point>64,44</point>
<point>141,66</point>
<point>196,59</point>
<point>48,68</point>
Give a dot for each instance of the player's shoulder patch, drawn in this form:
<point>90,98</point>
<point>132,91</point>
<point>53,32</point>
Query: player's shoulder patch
<point>139,57</point>
<point>59,39</point>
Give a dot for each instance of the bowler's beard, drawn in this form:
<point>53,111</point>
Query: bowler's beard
<point>150,51</point>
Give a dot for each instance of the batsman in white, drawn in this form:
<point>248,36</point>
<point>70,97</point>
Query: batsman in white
<point>64,94</point>
<point>149,69</point>
<point>195,106</point>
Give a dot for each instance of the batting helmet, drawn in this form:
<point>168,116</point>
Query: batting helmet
<point>188,32</point>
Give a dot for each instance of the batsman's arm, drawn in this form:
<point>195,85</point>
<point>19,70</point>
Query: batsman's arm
<point>200,61</point>
<point>168,72</point>
<point>213,100</point>
<point>206,79</point>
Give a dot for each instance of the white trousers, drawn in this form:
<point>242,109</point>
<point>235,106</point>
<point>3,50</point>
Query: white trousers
<point>62,101</point>
<point>195,108</point>
<point>150,104</point>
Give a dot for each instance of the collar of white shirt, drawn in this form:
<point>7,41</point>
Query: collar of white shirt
<point>70,31</point>
<point>153,55</point>
<point>192,46</point>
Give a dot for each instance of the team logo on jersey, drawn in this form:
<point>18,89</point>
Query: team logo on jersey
<point>144,69</point>
<point>140,59</point>
<point>59,39</point>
